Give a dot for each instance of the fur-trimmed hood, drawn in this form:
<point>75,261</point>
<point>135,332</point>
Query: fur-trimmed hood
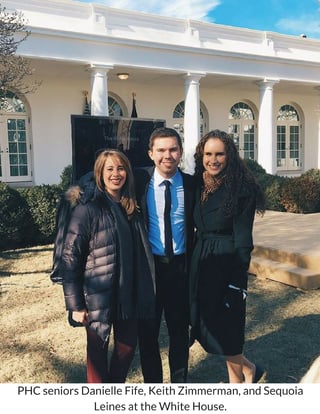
<point>73,195</point>
<point>81,192</point>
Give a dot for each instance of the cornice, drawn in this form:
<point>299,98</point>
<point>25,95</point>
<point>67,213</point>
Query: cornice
<point>178,48</point>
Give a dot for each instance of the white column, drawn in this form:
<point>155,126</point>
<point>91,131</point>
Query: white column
<point>99,89</point>
<point>191,119</point>
<point>266,128</point>
<point>317,112</point>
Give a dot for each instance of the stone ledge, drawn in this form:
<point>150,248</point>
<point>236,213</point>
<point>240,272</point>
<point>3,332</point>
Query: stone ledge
<point>309,261</point>
<point>285,273</point>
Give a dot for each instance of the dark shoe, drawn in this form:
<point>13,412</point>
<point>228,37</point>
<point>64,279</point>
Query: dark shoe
<point>260,372</point>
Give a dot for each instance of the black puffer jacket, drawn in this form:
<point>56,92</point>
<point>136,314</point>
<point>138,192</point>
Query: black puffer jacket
<point>90,263</point>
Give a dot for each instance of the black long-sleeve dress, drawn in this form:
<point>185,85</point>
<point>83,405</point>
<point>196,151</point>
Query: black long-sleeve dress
<point>221,257</point>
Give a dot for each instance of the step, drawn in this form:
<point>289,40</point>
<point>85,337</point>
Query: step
<point>285,273</point>
<point>309,261</point>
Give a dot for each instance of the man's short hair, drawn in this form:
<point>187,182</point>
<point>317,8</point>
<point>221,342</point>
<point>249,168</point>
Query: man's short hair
<point>164,132</point>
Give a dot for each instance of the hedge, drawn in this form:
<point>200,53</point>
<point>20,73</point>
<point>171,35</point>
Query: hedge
<point>27,215</point>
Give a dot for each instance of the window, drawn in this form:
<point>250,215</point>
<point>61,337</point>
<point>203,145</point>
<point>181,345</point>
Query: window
<point>288,139</point>
<point>114,107</point>
<point>242,128</point>
<point>14,140</point>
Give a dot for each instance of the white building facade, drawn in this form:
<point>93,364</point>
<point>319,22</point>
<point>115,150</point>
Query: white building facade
<point>262,87</point>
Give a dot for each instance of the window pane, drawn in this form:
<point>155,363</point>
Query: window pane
<point>14,171</point>
<point>12,136</point>
<point>13,147</point>
<point>23,159</point>
<point>22,136</point>
<point>114,107</point>
<point>234,131</point>
<point>248,139</point>
<point>22,147</point>
<point>241,111</point>
<point>287,113</point>
<point>23,170</point>
<point>281,145</point>
<point>294,145</point>
<point>11,103</point>
<point>13,159</point>
<point>179,111</point>
<point>12,124</point>
<point>21,124</point>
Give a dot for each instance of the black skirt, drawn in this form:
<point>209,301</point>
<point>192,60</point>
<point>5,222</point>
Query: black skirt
<point>219,330</point>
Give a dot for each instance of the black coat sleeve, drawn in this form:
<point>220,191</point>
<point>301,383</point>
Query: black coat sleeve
<point>243,240</point>
<point>74,257</point>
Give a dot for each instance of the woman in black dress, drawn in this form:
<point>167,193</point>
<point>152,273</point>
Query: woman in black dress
<point>228,197</point>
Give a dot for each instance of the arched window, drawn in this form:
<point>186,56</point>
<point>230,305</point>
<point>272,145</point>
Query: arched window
<point>242,128</point>
<point>11,103</point>
<point>179,110</point>
<point>287,113</point>
<point>14,140</point>
<point>288,139</point>
<point>114,107</point>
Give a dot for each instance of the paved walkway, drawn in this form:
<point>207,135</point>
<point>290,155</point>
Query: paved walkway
<point>287,248</point>
<point>288,231</point>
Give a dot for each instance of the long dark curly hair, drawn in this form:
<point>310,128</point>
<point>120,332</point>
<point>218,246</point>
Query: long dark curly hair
<point>237,174</point>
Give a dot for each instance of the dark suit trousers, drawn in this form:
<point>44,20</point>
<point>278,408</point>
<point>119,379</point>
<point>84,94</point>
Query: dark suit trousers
<point>172,300</point>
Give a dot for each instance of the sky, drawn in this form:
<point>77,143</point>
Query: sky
<point>290,17</point>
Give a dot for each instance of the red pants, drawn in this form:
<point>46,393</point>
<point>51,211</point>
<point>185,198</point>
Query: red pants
<point>125,341</point>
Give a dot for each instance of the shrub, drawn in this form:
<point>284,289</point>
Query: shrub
<point>314,174</point>
<point>270,184</point>
<point>66,177</point>
<point>302,194</point>
<point>255,167</point>
<point>16,224</point>
<point>273,193</point>
<point>27,215</point>
<point>42,201</point>
<point>293,194</point>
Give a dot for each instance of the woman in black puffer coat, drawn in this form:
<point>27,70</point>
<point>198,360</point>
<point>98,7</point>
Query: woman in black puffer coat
<point>108,269</point>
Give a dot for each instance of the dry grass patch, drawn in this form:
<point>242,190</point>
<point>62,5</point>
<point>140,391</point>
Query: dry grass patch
<point>38,345</point>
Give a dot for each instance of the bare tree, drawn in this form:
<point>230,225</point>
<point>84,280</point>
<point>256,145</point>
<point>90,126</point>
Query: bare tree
<point>14,69</point>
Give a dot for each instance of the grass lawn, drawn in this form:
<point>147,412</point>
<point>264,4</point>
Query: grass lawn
<point>38,345</point>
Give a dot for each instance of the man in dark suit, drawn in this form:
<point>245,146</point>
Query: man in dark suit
<point>165,149</point>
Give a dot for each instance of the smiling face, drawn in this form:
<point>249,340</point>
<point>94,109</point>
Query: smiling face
<point>214,156</point>
<point>166,155</point>
<point>114,176</point>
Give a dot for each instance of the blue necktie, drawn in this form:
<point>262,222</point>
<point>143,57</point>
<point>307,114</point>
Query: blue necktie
<point>167,221</point>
